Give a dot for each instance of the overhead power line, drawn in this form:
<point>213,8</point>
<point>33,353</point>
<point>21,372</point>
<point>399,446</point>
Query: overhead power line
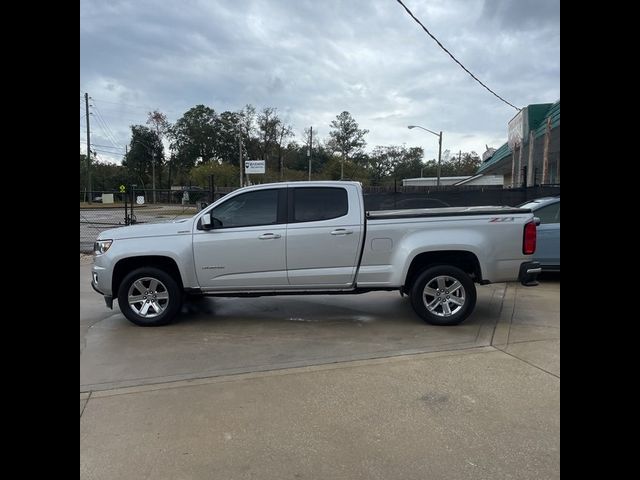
<point>119,149</point>
<point>105,127</point>
<point>454,58</point>
<point>146,108</point>
<point>107,152</point>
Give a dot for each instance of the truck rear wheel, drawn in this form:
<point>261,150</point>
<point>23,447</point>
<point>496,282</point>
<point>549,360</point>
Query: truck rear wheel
<point>149,297</point>
<point>443,295</point>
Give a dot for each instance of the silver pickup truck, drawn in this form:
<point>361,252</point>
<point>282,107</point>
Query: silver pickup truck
<point>303,238</point>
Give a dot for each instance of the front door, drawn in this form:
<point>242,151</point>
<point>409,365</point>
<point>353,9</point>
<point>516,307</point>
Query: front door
<point>247,248</point>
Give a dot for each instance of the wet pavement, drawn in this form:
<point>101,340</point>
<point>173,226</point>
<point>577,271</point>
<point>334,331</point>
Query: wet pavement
<point>343,387</point>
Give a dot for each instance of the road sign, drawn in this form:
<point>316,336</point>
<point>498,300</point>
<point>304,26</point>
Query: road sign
<point>254,166</point>
<point>140,200</point>
<point>122,189</point>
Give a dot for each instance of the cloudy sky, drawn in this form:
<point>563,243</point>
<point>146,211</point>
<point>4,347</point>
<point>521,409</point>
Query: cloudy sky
<point>312,59</point>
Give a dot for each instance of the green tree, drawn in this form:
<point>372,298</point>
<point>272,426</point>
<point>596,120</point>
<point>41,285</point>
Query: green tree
<point>283,132</point>
<point>297,158</point>
<point>158,122</point>
<point>383,162</point>
<point>107,176</point>
<point>268,125</point>
<point>248,129</point>
<point>227,127</point>
<point>193,138</point>
<point>145,148</point>
<point>355,169</point>
<point>411,165</point>
<point>346,138</point>
<point>225,175</point>
<point>394,162</point>
<point>466,164</point>
<point>83,172</point>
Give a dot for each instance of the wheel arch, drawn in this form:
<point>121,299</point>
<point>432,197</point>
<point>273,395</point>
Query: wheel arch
<point>126,265</point>
<point>463,259</point>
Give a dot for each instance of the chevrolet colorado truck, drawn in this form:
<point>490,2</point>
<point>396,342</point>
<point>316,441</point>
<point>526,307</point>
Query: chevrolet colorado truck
<point>303,238</point>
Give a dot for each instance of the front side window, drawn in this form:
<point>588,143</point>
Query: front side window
<point>248,210</point>
<point>311,204</point>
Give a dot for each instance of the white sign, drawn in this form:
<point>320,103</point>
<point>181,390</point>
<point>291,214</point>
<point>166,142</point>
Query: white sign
<point>140,200</point>
<point>516,130</point>
<point>254,166</point>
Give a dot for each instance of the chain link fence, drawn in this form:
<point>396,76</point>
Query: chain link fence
<point>112,209</point>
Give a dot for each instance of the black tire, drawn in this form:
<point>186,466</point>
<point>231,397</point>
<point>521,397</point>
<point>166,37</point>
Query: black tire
<point>454,305</point>
<point>166,296</point>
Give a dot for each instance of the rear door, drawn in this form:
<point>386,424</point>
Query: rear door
<point>323,236</point>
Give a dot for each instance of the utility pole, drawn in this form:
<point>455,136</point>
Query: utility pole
<point>153,174</point>
<point>460,157</point>
<point>439,155</point>
<point>86,104</point>
<point>240,153</point>
<point>309,150</point>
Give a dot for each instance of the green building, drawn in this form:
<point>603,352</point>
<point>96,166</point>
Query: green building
<point>531,155</point>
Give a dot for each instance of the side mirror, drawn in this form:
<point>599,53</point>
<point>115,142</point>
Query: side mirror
<point>206,221</point>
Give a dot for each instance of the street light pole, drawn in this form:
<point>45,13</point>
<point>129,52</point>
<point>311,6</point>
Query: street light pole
<point>439,135</point>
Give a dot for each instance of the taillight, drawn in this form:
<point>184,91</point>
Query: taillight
<point>529,241</point>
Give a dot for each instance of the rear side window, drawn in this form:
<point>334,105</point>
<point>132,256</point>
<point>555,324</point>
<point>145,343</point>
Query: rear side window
<point>549,214</point>
<point>311,204</point>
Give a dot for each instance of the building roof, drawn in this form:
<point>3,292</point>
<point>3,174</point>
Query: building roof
<point>554,115</point>
<point>499,154</point>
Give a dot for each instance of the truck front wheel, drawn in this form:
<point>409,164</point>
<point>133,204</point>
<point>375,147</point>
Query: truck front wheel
<point>149,297</point>
<point>443,295</point>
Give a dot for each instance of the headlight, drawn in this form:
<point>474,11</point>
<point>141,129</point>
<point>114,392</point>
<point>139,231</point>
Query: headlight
<point>101,246</point>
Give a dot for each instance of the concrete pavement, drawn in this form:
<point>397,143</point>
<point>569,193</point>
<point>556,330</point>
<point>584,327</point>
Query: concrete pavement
<point>481,403</point>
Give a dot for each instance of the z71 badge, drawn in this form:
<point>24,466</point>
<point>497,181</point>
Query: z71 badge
<point>502,219</point>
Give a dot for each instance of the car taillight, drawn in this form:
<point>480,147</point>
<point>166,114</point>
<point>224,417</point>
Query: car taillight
<point>529,241</point>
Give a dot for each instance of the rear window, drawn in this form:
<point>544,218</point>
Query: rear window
<point>311,204</point>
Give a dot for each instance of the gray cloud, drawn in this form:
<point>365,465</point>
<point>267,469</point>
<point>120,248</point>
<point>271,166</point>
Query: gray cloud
<point>522,14</point>
<point>312,60</point>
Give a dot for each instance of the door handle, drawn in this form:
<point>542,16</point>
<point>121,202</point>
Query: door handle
<point>268,236</point>
<point>341,231</point>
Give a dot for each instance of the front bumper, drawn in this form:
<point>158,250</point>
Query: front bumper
<point>528,275</point>
<point>108,299</point>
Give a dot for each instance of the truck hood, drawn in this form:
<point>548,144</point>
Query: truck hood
<point>178,227</point>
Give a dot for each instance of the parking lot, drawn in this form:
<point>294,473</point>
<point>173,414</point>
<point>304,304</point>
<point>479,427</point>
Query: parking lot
<point>332,386</point>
